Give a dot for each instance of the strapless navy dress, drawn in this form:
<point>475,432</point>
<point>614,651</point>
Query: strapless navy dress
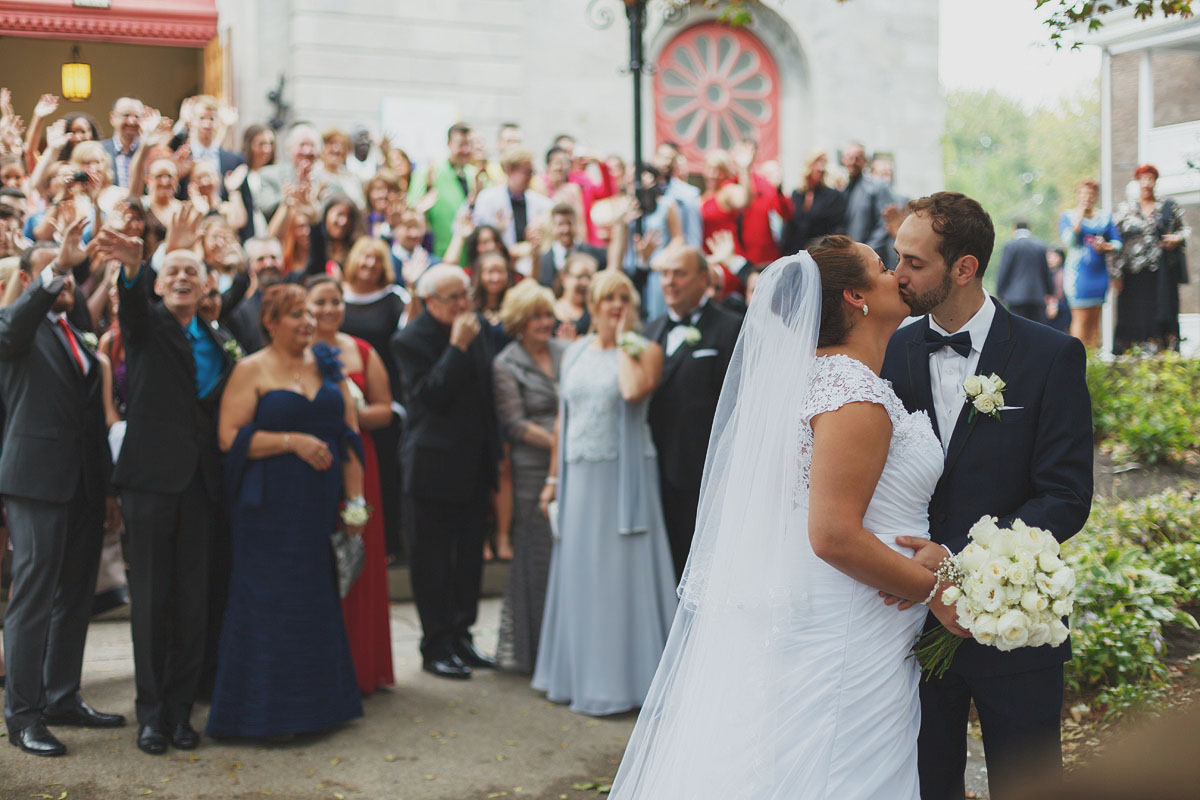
<point>284,663</point>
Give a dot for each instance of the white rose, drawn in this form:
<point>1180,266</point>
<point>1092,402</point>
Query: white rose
<point>973,385</point>
<point>972,558</point>
<point>994,598</point>
<point>1000,384</point>
<point>1014,594</point>
<point>983,531</point>
<point>1039,634</point>
<point>985,628</point>
<point>1049,563</point>
<point>1029,540</point>
<point>1012,630</point>
<point>1033,601</point>
<point>951,595</point>
<point>1058,632</point>
<point>998,399</point>
<point>1063,581</point>
<point>994,572</point>
<point>984,404</point>
<point>1005,544</point>
<point>1050,545</point>
<point>1019,574</point>
<point>1062,607</point>
<point>1028,561</point>
<point>987,385</point>
<point>1045,584</point>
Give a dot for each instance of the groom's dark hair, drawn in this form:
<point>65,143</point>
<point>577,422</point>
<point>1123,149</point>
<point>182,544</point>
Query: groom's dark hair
<point>965,228</point>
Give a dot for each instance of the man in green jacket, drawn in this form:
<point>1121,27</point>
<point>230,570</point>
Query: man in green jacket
<point>454,182</point>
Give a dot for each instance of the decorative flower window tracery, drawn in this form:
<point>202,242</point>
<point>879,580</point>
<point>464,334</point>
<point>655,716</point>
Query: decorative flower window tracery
<point>714,85</point>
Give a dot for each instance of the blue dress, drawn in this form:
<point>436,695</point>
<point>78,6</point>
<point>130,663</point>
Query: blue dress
<point>1085,271</point>
<point>284,663</point>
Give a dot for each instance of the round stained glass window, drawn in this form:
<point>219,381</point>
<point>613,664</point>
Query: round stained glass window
<point>715,85</point>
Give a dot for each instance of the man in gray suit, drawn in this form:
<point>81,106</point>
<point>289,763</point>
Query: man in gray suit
<point>54,474</point>
<point>1023,282</point>
<point>866,198</point>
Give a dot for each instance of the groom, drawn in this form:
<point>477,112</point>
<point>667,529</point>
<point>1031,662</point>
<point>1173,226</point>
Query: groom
<point>1033,463</point>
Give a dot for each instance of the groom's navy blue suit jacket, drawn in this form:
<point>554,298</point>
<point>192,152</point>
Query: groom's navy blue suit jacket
<point>1034,463</point>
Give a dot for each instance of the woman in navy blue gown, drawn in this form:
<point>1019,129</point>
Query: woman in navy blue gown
<point>287,421</point>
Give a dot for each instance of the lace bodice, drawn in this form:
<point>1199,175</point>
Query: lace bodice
<point>593,401</point>
<point>915,456</point>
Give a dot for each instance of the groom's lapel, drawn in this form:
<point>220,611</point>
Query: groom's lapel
<point>994,358</point>
<point>918,373</point>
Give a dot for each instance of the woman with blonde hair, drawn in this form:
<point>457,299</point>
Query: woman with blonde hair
<point>1089,234</point>
<point>611,598</point>
<point>817,208</point>
<point>526,381</point>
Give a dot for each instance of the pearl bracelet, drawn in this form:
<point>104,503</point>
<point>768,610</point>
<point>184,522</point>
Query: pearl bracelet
<point>932,592</point>
<point>551,480</point>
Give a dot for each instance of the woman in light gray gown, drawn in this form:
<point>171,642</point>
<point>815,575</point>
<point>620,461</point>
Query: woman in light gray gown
<point>611,596</point>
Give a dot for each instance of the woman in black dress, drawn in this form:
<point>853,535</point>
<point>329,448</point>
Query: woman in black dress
<point>374,310</point>
<point>818,207</point>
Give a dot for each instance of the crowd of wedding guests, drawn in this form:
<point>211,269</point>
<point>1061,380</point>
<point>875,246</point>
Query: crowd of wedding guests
<point>1135,254</point>
<point>212,357</point>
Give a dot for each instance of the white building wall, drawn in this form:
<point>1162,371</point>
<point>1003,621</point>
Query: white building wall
<point>866,69</point>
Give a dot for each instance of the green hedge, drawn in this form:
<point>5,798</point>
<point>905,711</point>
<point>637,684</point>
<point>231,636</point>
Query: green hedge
<point>1137,565</point>
<point>1146,408</point>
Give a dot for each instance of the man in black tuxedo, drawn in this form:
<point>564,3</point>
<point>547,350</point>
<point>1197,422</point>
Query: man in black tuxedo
<point>697,338</point>
<point>1034,463</point>
<point>169,473</point>
<point>54,476</point>
<point>1023,282</point>
<point>449,456</point>
<point>242,315</point>
<point>565,230</point>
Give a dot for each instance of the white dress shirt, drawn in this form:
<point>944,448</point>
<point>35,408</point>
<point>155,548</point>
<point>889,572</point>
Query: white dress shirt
<point>53,282</point>
<point>676,335</point>
<point>948,370</point>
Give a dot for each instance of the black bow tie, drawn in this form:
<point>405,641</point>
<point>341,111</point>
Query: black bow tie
<point>959,342</point>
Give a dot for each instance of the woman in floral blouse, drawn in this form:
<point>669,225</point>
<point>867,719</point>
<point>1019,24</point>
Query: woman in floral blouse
<point>1147,274</point>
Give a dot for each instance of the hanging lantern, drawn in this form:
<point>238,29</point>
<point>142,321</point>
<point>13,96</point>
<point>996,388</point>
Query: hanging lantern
<point>76,78</point>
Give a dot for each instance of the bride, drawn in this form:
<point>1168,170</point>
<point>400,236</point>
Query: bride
<point>785,676</point>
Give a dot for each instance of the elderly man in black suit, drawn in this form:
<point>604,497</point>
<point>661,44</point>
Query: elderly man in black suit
<point>449,454</point>
<point>54,476</point>
<point>169,473</point>
<point>697,338</point>
<point>1023,282</point>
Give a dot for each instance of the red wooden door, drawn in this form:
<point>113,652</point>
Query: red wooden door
<point>714,85</point>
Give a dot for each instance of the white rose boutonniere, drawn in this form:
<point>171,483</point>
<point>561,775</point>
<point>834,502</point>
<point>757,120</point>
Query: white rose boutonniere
<point>985,394</point>
<point>90,340</point>
<point>632,344</point>
<point>233,349</point>
<point>691,335</point>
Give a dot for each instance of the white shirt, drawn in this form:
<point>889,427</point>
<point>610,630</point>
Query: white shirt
<point>676,335</point>
<point>53,283</point>
<point>948,370</point>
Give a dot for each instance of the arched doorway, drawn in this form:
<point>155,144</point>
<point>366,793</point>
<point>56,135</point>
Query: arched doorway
<point>714,85</point>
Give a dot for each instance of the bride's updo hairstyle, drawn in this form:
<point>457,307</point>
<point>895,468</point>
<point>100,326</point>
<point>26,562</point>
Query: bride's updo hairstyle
<point>841,268</point>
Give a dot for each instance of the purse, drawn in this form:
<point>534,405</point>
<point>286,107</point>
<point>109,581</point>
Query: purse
<point>349,555</point>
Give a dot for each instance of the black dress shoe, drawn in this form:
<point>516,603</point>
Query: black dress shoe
<point>473,656</point>
<point>152,740</point>
<point>449,667</point>
<point>37,740</point>
<point>184,736</point>
<point>83,716</point>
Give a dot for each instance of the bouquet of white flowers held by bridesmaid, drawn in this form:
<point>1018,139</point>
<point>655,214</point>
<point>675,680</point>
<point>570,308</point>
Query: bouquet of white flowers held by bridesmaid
<point>1010,590</point>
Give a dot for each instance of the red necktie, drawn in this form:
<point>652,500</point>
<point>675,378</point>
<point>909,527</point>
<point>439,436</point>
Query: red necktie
<point>62,322</point>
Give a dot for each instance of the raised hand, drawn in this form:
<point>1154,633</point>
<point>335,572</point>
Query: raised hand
<point>148,124</point>
<point>427,202</point>
<point>12,132</point>
<point>71,251</point>
<point>742,154</point>
<point>893,216</point>
<point>183,161</point>
<point>396,207</point>
<point>235,179</point>
<point>6,108</point>
<point>464,223</point>
<point>181,230</point>
<point>463,330</point>
<point>47,104</point>
<point>197,199</point>
<point>117,248</point>
<point>721,247</point>
<point>187,111</point>
<point>56,136</point>
<point>415,266</point>
<point>646,245</point>
<point>227,115</point>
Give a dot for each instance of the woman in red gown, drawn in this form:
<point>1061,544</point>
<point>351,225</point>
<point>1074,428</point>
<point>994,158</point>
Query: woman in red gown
<point>365,608</point>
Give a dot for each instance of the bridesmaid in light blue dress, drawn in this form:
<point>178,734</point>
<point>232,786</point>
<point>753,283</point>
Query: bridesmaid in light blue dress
<point>611,594</point>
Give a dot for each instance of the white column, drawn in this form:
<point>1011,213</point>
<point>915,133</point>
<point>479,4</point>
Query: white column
<point>1145,103</point>
<point>1108,312</point>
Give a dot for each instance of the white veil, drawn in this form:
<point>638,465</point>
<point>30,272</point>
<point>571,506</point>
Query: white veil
<point>707,726</point>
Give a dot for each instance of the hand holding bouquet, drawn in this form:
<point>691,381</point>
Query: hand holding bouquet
<point>1010,590</point>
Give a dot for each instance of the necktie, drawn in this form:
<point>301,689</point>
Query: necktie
<point>959,342</point>
<point>62,323</point>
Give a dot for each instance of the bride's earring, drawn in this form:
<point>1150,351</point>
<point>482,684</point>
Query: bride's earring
<point>864,309</point>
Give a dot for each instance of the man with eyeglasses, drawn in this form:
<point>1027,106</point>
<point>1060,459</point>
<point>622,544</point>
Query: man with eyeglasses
<point>449,456</point>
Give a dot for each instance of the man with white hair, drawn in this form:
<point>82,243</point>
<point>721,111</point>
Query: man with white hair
<point>303,147</point>
<point>169,474</point>
<point>449,458</point>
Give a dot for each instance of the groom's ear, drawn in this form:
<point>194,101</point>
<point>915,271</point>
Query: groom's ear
<point>965,270</point>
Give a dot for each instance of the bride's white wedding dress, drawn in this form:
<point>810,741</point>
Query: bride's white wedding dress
<point>799,687</point>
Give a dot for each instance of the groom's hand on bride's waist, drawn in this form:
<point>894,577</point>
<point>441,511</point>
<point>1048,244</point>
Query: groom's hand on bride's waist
<point>927,553</point>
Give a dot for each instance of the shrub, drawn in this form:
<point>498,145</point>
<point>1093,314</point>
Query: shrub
<point>1146,408</point>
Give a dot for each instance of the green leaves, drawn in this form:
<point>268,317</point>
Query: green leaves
<point>1147,408</point>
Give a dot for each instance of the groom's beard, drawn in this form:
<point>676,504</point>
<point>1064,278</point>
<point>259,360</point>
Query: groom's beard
<point>921,304</point>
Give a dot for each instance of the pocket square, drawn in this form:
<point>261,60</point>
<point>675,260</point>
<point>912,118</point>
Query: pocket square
<point>705,353</point>
<point>1010,408</point>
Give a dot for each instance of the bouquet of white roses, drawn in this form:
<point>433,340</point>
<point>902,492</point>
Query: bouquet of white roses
<point>1010,590</point>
